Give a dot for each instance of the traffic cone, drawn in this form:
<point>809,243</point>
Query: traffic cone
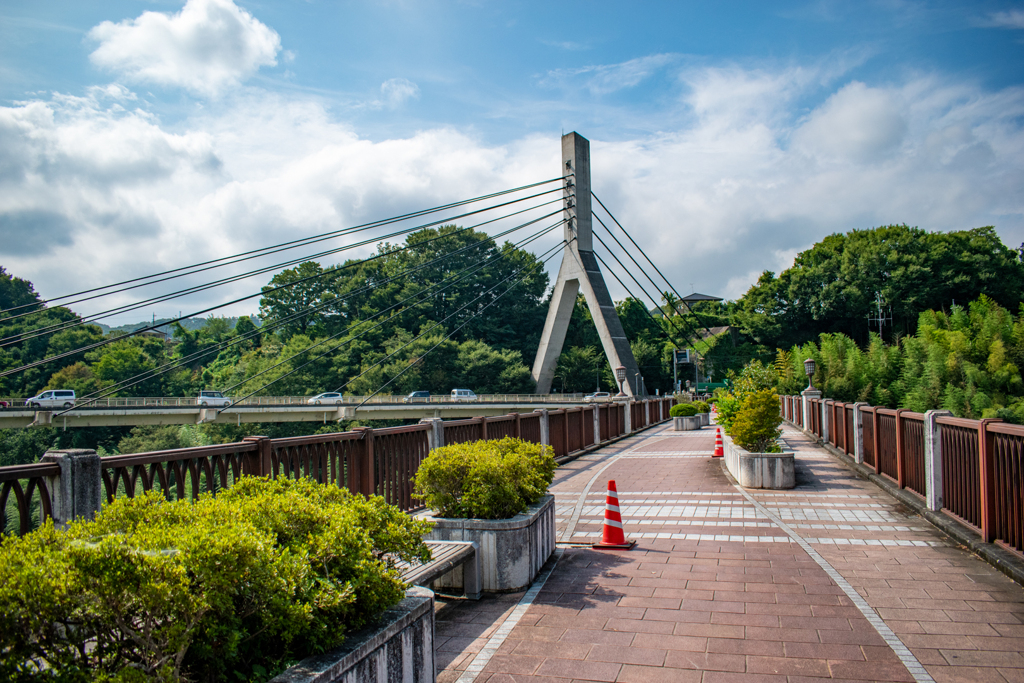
<point>719,448</point>
<point>612,536</point>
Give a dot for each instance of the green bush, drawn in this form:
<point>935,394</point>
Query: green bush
<point>683,410</point>
<point>702,406</point>
<point>727,407</point>
<point>485,479</point>
<point>755,426</point>
<point>229,588</point>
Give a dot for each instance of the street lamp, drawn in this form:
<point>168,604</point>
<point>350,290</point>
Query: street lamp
<point>809,371</point>
<point>620,377</point>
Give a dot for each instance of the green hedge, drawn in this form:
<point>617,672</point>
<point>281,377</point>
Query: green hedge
<point>755,426</point>
<point>234,587</point>
<point>683,410</point>
<point>702,406</point>
<point>485,479</point>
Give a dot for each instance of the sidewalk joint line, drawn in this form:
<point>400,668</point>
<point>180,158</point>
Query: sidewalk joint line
<point>914,667</point>
<point>510,622</point>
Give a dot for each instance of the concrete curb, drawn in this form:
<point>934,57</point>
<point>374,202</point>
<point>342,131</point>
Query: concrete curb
<point>1006,561</point>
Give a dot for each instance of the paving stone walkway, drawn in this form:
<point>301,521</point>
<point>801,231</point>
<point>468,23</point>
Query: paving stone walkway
<point>831,580</point>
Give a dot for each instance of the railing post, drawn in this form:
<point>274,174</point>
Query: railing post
<point>519,426</point>
<point>78,493</point>
<point>807,395</point>
<point>826,419</point>
<point>647,413</point>
<point>627,417</point>
<point>260,463</point>
<point>565,429</point>
<point>858,433</point>
<point>435,437</point>
<point>545,434</point>
<point>597,425</point>
<point>583,428</point>
<point>876,441</point>
<point>933,458</point>
<point>986,463</point>
<point>901,468</point>
<point>367,476</point>
<point>483,428</point>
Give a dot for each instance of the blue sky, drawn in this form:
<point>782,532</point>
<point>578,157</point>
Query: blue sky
<point>138,136</point>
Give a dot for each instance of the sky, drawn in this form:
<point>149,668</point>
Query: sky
<point>138,136</point>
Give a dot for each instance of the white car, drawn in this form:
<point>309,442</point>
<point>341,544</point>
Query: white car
<point>214,399</point>
<point>459,395</point>
<point>597,397</point>
<point>57,398</point>
<point>328,397</point>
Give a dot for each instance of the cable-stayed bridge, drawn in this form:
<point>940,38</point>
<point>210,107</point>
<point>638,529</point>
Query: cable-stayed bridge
<point>530,214</point>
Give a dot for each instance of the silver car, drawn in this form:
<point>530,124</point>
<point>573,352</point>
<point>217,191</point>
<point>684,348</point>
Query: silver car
<point>330,397</point>
<point>56,398</point>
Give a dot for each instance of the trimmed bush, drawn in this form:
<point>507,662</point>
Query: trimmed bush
<point>233,587</point>
<point>755,426</point>
<point>683,410</point>
<point>485,479</point>
<point>702,406</point>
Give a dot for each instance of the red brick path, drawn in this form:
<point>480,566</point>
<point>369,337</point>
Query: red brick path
<point>714,591</point>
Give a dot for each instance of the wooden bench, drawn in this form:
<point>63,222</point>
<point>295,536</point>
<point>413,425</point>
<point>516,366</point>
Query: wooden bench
<point>446,556</point>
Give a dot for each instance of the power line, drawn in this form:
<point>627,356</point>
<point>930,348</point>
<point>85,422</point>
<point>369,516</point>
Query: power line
<point>290,245</point>
<point>167,367</point>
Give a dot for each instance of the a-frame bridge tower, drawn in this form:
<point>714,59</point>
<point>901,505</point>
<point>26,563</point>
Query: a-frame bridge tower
<point>579,270</point>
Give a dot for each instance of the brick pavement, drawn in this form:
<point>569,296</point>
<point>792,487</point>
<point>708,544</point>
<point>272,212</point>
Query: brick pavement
<point>726,587</point>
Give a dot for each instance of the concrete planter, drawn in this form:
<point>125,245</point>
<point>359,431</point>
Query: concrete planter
<point>760,470</point>
<point>687,423</point>
<point>400,648</point>
<point>512,551</point>
<point>705,419</point>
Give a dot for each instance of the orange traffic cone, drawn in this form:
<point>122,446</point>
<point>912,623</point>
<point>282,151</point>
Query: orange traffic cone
<point>612,536</point>
<point>719,448</point>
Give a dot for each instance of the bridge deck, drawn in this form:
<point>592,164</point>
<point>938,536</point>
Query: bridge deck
<point>834,579</point>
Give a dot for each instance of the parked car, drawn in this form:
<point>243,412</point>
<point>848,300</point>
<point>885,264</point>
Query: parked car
<point>4,404</point>
<point>459,395</point>
<point>56,398</point>
<point>597,397</point>
<point>327,397</point>
<point>417,397</point>
<point>213,399</point>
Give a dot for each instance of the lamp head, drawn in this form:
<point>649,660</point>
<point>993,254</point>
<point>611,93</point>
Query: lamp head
<point>620,373</point>
<point>809,367</point>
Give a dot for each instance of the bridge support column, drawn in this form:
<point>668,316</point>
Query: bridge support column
<point>933,458</point>
<point>435,437</point>
<point>858,433</point>
<point>580,271</point>
<point>78,491</point>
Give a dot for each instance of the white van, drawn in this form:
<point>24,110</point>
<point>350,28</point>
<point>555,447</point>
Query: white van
<point>463,395</point>
<point>213,398</point>
<point>57,398</point>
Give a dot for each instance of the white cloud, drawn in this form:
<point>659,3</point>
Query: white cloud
<point>604,79</point>
<point>395,91</point>
<point>208,46</point>
<point>1010,19</point>
<point>751,177</point>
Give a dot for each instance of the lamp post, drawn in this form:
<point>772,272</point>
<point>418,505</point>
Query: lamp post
<point>809,367</point>
<point>620,377</point>
<point>636,383</point>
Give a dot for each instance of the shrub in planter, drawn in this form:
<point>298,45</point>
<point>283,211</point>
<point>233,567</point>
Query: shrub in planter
<point>229,588</point>
<point>683,410</point>
<point>485,479</point>
<point>702,406</point>
<point>755,426</point>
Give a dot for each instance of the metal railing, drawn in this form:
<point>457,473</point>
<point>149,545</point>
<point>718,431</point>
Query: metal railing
<point>977,466</point>
<point>364,461</point>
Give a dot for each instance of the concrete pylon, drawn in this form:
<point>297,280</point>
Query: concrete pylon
<point>579,270</point>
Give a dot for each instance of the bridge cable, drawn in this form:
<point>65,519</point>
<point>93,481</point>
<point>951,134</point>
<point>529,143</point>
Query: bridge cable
<point>167,367</point>
<point>420,335</point>
<point>335,272</point>
<point>85,320</point>
<point>289,245</point>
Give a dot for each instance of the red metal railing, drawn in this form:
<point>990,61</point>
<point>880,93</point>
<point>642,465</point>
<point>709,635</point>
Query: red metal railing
<point>961,471</point>
<point>365,461</point>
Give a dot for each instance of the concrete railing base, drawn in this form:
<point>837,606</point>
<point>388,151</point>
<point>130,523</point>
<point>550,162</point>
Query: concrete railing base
<point>512,551</point>
<point>687,423</point>
<point>760,470</point>
<point>399,648</point>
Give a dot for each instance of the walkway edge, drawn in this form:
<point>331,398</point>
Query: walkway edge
<point>1007,562</point>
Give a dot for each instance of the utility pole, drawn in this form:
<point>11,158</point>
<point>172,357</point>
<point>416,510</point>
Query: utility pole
<point>881,317</point>
<point>580,270</point>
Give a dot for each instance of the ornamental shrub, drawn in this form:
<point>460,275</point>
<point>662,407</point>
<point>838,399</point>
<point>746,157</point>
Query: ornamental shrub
<point>756,424</point>
<point>702,406</point>
<point>233,587</point>
<point>683,410</point>
<point>485,479</point>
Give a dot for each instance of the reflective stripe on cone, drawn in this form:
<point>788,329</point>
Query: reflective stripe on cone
<point>612,535</point>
